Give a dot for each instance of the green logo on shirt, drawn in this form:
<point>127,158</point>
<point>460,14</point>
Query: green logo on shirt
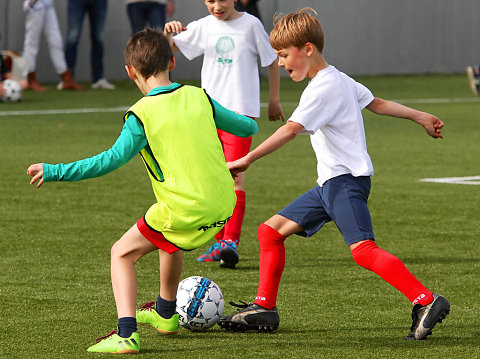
<point>225,46</point>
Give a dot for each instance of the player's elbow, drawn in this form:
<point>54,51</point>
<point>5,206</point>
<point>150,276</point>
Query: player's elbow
<point>293,129</point>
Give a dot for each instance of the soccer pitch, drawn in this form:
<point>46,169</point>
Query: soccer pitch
<point>55,241</point>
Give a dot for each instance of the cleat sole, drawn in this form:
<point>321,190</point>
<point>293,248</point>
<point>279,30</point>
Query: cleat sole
<point>240,327</point>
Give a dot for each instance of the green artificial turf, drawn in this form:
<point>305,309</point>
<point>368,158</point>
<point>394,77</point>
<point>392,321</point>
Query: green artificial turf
<point>55,290</point>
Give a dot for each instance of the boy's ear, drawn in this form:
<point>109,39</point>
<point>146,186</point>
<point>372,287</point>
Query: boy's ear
<point>172,63</point>
<point>132,73</point>
<point>309,49</point>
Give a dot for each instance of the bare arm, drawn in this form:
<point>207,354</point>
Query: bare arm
<point>283,135</point>
<point>275,111</point>
<point>432,124</point>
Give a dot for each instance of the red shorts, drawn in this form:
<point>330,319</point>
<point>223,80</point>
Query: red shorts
<point>155,237</point>
<point>234,147</point>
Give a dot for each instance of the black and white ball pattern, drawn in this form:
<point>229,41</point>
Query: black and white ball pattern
<point>200,303</point>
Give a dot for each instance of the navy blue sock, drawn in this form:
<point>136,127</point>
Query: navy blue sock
<point>126,326</point>
<point>166,308</point>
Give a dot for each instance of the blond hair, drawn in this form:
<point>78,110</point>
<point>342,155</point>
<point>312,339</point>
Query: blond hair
<point>296,29</point>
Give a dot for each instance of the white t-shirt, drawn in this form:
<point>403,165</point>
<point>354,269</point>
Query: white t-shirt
<point>330,110</point>
<point>230,52</point>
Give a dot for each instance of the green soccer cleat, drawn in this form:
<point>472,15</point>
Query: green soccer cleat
<point>113,343</point>
<point>146,314</point>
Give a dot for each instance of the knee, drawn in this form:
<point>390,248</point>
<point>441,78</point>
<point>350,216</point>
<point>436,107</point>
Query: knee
<point>365,253</point>
<point>73,34</point>
<point>268,236</point>
<point>119,252</point>
<point>116,251</point>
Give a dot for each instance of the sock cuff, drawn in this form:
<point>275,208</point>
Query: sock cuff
<point>265,231</point>
<point>165,308</point>
<point>368,244</point>
<point>240,194</point>
<point>127,320</point>
<point>126,326</point>
<point>365,254</point>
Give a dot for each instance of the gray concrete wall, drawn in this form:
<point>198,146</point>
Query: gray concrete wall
<point>362,36</point>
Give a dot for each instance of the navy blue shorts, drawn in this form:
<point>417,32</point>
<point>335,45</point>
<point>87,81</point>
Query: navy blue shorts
<point>341,199</point>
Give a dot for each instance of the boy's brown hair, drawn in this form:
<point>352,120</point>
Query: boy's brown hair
<point>149,52</point>
<point>296,29</point>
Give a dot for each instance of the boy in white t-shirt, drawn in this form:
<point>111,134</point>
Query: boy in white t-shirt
<point>231,43</point>
<point>330,112</point>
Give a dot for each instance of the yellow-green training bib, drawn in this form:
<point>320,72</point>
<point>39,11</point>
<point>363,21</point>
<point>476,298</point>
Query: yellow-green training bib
<point>186,165</point>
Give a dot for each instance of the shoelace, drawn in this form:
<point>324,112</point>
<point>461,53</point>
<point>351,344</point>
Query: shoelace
<point>228,243</point>
<point>146,306</point>
<point>106,336</point>
<point>243,305</point>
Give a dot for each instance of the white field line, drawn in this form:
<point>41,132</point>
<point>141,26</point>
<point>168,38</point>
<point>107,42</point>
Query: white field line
<point>263,104</point>
<point>472,180</point>
<point>63,111</point>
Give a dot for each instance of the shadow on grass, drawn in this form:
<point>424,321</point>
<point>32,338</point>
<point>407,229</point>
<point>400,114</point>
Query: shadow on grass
<point>439,260</point>
<point>366,337</point>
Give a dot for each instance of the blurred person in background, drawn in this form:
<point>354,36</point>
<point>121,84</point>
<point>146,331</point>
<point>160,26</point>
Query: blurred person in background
<point>473,75</point>
<point>40,16</point>
<point>5,71</point>
<point>153,12</point>
<point>97,13</point>
<point>249,6</point>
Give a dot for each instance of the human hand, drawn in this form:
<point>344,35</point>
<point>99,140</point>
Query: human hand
<point>2,91</point>
<point>36,171</point>
<point>432,124</point>
<point>174,27</point>
<point>240,165</point>
<point>275,111</point>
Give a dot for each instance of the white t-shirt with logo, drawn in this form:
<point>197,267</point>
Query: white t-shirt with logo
<point>330,109</point>
<point>230,50</point>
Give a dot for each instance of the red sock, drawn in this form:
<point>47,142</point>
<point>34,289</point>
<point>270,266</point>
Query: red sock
<point>272,263</point>
<point>233,228</point>
<point>391,269</point>
<point>219,235</point>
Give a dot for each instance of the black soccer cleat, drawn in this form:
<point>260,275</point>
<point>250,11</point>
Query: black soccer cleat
<point>425,317</point>
<point>228,254</point>
<point>251,317</point>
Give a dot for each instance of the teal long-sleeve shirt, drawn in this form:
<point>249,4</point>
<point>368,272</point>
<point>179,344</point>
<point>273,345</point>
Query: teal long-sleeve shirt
<point>132,140</point>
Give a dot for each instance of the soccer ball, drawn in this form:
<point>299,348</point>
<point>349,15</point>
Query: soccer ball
<point>13,91</point>
<point>199,303</point>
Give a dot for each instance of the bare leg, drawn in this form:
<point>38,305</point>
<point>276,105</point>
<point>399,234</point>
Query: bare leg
<point>170,272</point>
<point>282,225</point>
<point>239,182</point>
<point>124,254</point>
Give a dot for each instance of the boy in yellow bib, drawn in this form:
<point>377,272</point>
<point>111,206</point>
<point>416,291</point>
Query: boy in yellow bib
<point>174,129</point>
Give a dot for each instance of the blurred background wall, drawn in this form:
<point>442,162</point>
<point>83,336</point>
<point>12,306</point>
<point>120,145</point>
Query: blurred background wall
<point>361,36</point>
